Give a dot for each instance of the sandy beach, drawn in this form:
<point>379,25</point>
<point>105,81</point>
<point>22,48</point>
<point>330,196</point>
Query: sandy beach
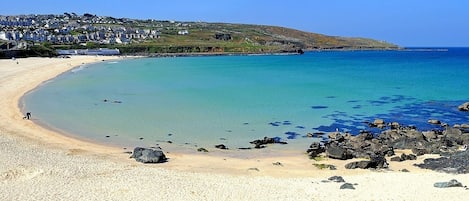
<point>40,164</point>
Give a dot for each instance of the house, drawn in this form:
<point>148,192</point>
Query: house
<point>183,32</point>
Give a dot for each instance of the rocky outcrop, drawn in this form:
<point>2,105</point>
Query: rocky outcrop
<point>148,155</point>
<point>464,107</point>
<point>315,149</point>
<point>455,163</point>
<point>267,140</point>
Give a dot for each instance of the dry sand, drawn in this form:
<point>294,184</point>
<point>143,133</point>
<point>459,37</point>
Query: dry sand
<point>39,164</point>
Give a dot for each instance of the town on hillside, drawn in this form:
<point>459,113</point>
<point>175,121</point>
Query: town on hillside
<point>70,28</point>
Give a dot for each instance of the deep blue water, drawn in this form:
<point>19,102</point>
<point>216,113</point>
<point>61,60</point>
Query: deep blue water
<point>204,101</point>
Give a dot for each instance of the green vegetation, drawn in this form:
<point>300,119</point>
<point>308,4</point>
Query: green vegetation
<point>319,158</point>
<point>324,166</point>
<point>242,39</point>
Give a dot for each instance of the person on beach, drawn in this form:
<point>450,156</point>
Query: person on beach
<point>28,115</point>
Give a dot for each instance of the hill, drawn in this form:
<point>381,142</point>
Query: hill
<point>134,36</point>
<point>245,38</point>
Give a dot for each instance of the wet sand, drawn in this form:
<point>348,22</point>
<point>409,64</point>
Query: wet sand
<point>40,164</point>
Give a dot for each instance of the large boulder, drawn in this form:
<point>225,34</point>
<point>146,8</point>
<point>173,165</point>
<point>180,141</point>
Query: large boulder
<point>338,152</point>
<point>148,155</point>
<point>376,162</point>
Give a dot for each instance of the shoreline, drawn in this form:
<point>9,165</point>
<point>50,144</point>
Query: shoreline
<point>32,154</point>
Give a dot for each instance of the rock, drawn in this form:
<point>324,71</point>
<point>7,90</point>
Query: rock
<point>452,132</point>
<point>221,146</point>
<point>336,152</point>
<point>395,125</point>
<point>148,155</point>
<point>267,140</point>
<point>420,152</point>
<point>358,164</point>
<point>375,162</point>
<point>434,121</point>
<point>378,162</point>
<point>201,149</point>
<point>451,183</point>
<point>315,149</point>
<point>347,186</point>
<point>405,170</point>
<point>430,135</point>
<point>405,157</point>
<point>464,107</point>
<point>455,163</point>
<point>378,121</point>
<point>337,179</point>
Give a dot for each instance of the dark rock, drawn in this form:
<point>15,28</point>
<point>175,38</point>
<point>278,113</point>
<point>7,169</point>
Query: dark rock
<point>337,179</point>
<point>375,162</point>
<point>405,157</point>
<point>337,152</point>
<point>455,163</point>
<point>420,152</point>
<point>358,164</point>
<point>451,183</point>
<point>201,149</point>
<point>315,149</point>
<point>405,170</point>
<point>347,186</point>
<point>267,140</point>
<point>148,155</point>
<point>221,146</point>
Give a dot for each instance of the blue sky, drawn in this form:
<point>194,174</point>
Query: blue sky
<point>409,23</point>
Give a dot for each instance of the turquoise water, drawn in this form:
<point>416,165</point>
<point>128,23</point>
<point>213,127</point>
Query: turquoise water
<point>203,101</point>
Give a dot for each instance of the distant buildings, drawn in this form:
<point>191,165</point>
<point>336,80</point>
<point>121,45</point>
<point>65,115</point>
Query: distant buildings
<point>72,29</point>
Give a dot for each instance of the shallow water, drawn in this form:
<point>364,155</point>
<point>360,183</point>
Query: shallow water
<point>203,101</point>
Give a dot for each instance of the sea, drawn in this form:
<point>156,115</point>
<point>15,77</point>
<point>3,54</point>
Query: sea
<point>201,101</point>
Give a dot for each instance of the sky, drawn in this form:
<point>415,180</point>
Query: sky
<point>407,23</point>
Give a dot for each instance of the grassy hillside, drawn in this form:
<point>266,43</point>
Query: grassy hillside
<point>244,38</point>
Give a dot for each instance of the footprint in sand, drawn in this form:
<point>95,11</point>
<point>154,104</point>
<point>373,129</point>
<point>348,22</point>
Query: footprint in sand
<point>20,173</point>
